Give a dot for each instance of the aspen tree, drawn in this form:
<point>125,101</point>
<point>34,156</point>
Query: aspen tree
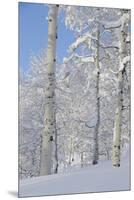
<point>49,130</point>
<point>118,114</point>
<point>95,138</point>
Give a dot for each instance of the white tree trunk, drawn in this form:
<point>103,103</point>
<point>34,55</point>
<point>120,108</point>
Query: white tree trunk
<point>117,126</point>
<point>118,114</point>
<point>95,138</point>
<point>49,131</point>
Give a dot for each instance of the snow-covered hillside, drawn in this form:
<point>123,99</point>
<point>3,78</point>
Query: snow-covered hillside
<point>102,177</point>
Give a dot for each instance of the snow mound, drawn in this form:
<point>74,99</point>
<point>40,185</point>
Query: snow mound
<point>97,178</point>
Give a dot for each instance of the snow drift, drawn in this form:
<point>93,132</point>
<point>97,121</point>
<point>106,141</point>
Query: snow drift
<point>97,178</point>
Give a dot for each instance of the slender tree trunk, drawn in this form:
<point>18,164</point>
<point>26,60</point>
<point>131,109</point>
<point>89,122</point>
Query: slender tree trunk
<point>71,153</point>
<point>82,159</point>
<point>118,114</point>
<point>117,126</point>
<point>49,131</point>
<point>96,150</point>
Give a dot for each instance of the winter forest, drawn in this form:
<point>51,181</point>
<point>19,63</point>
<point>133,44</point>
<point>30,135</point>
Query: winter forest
<point>74,115</point>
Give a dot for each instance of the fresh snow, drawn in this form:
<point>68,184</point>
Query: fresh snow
<point>124,61</point>
<point>84,59</point>
<point>78,42</point>
<point>95,178</point>
<point>87,38</point>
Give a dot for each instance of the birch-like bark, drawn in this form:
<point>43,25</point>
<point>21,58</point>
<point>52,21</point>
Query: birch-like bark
<point>117,125</point>
<point>118,114</point>
<point>96,150</point>
<point>49,131</point>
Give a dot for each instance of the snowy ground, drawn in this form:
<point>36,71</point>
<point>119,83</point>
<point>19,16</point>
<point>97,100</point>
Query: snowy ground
<point>99,178</point>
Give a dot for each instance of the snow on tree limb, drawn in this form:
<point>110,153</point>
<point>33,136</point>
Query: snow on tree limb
<point>84,59</point>
<point>119,23</point>
<point>109,46</point>
<point>78,41</point>
<point>85,38</point>
<point>128,39</point>
<point>124,62</point>
<point>113,71</point>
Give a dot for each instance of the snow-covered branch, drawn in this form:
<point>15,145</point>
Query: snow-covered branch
<point>85,59</point>
<point>109,47</point>
<point>86,38</point>
<point>124,62</point>
<point>117,24</point>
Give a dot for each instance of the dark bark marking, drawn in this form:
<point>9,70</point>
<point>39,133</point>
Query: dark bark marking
<point>115,146</point>
<point>50,74</point>
<point>94,162</point>
<point>51,138</point>
<point>116,165</point>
